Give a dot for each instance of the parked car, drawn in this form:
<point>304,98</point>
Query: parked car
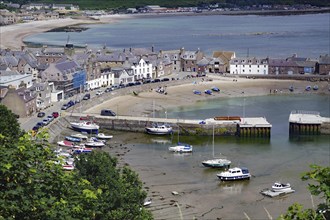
<point>55,114</point>
<point>45,121</point>
<point>107,112</point>
<point>64,107</point>
<point>70,103</point>
<point>40,124</point>
<point>87,96</point>
<point>99,92</point>
<point>41,114</point>
<point>50,118</point>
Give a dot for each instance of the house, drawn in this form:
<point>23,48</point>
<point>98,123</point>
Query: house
<point>20,101</point>
<point>210,65</point>
<point>323,66</point>
<point>65,7</point>
<point>122,76</point>
<point>189,60</point>
<point>249,65</point>
<point>173,56</point>
<point>280,66</point>
<point>140,66</point>
<point>15,79</point>
<point>107,77</point>
<point>36,6</point>
<point>160,66</point>
<point>42,92</point>
<point>66,75</point>
<point>225,57</point>
<point>7,17</point>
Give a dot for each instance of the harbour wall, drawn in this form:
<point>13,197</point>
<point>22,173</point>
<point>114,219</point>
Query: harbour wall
<point>308,123</point>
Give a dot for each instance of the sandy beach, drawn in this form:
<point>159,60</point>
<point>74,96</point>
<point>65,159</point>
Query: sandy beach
<point>11,36</point>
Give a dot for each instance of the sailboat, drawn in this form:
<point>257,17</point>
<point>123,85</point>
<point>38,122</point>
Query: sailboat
<point>216,162</point>
<point>181,147</point>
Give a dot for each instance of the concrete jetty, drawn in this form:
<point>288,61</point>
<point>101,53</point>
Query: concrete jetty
<point>227,126</point>
<point>308,123</point>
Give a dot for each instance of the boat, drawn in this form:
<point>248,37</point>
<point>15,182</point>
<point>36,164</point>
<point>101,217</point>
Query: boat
<point>280,187</point>
<point>316,87</point>
<point>216,162</point>
<point>81,136</point>
<point>81,150</point>
<point>103,136</point>
<point>94,142</point>
<point>162,129</point>
<point>197,92</point>
<point>68,167</point>
<point>86,126</point>
<point>65,143</point>
<point>308,88</point>
<point>72,139</point>
<point>291,88</point>
<point>181,148</point>
<point>215,89</point>
<point>235,173</point>
<point>208,92</point>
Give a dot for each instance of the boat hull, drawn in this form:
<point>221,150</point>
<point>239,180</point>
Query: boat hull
<point>234,178</point>
<point>215,165</point>
<point>84,127</point>
<point>158,131</point>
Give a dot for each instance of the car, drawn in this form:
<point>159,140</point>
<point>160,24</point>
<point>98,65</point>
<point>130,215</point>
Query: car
<point>35,128</point>
<point>165,79</point>
<point>64,107</point>
<point>107,90</point>
<point>107,112</point>
<point>40,124</point>
<point>99,92</point>
<point>50,118</point>
<point>87,96</point>
<point>70,103</point>
<point>45,121</point>
<point>41,114</point>
<point>55,114</point>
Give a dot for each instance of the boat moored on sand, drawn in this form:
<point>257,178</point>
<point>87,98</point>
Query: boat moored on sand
<point>104,136</point>
<point>217,163</point>
<point>158,129</point>
<point>235,173</point>
<point>85,126</point>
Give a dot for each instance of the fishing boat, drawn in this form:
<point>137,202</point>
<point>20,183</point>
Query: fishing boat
<point>208,92</point>
<point>103,136</point>
<point>216,162</point>
<point>85,126</point>
<point>72,139</point>
<point>181,148</point>
<point>235,173</point>
<point>280,187</point>
<point>157,129</point>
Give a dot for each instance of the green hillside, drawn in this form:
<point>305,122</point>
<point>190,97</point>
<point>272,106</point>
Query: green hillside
<point>116,4</point>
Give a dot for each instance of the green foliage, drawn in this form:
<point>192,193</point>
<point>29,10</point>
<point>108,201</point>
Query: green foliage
<point>120,191</point>
<point>9,126</point>
<point>320,175</point>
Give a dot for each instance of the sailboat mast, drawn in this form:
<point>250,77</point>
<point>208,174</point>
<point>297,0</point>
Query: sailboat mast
<point>213,141</point>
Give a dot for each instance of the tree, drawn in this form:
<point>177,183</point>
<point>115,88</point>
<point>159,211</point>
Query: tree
<point>321,175</point>
<point>121,194</point>
<point>9,126</point>
<point>34,186</point>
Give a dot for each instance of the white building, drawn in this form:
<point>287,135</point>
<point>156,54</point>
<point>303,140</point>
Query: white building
<point>142,69</point>
<point>249,65</point>
<point>15,79</point>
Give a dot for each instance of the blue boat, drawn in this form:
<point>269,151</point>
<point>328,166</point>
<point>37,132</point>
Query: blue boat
<point>291,88</point>
<point>208,92</point>
<point>315,87</point>
<point>72,139</point>
<point>215,89</point>
<point>308,88</point>
<point>197,92</point>
<point>235,173</point>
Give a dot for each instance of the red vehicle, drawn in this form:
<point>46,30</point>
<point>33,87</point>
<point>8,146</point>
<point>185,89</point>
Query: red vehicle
<point>55,114</point>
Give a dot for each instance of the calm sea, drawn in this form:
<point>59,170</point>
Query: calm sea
<point>274,36</point>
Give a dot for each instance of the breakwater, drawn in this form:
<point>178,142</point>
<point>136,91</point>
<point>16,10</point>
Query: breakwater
<point>308,123</point>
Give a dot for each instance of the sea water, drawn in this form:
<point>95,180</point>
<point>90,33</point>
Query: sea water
<point>247,35</point>
<point>280,158</point>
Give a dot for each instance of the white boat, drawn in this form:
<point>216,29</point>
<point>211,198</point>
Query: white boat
<point>94,142</point>
<point>181,148</point>
<point>280,187</point>
<point>235,173</point>
<point>162,129</point>
<point>85,126</point>
<point>65,143</point>
<point>68,167</point>
<point>216,162</point>
<point>81,136</point>
<point>103,136</point>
